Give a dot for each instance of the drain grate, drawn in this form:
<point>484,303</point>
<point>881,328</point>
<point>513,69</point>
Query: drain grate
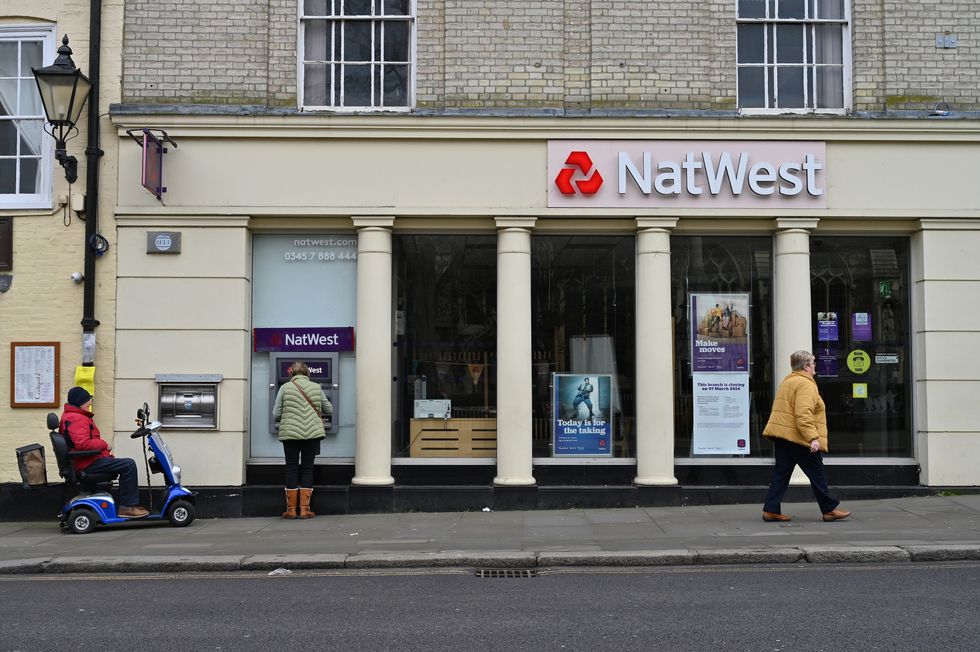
<point>506,572</point>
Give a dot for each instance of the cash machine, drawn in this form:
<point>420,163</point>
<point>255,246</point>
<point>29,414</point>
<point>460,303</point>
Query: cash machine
<point>324,369</point>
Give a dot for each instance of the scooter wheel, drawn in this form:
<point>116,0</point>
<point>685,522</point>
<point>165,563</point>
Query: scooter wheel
<point>82,521</point>
<point>180,513</point>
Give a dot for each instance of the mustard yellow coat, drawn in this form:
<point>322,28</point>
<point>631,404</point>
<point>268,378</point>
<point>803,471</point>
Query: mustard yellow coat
<point>798,413</point>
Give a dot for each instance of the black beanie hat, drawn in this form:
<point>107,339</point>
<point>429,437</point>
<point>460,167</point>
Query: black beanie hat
<point>78,396</point>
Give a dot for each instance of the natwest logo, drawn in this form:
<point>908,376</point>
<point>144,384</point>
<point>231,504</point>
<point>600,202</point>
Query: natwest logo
<point>678,174</point>
<point>578,161</point>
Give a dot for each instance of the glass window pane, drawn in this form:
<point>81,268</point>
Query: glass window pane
<point>445,288</point>
<point>8,138</point>
<point>30,176</point>
<point>751,8</point>
<point>751,89</point>
<point>316,8</point>
<point>397,7</point>
<point>789,44</point>
<point>8,93</point>
<point>751,41</point>
<point>829,44</point>
<point>316,84</point>
<point>357,7</point>
<point>357,85</point>
<point>338,75</point>
<point>8,59</point>
<point>317,37</point>
<point>864,277</point>
<point>30,137</point>
<point>396,85</point>
<point>30,100</point>
<point>830,9</point>
<point>8,176</point>
<point>792,9</point>
<point>830,88</point>
<point>789,81</point>
<point>583,316</point>
<point>357,41</point>
<point>31,53</point>
<point>396,40</point>
<point>723,265</point>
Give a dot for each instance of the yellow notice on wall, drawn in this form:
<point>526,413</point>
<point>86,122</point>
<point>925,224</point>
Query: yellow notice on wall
<point>859,390</point>
<point>85,378</point>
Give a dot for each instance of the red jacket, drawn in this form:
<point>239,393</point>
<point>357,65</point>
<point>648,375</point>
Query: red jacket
<point>84,434</point>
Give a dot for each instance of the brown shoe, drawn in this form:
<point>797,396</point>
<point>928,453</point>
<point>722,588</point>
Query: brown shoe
<point>772,517</point>
<point>836,515</point>
<point>134,511</point>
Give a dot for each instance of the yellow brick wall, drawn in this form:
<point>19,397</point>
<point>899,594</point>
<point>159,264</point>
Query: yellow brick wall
<point>43,304</point>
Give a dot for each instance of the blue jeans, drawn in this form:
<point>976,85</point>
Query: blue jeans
<point>125,468</point>
<point>789,455</point>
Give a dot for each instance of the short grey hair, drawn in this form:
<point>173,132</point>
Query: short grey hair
<point>800,359</point>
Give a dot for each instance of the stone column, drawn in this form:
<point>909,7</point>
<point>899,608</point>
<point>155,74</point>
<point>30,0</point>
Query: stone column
<point>372,454</point>
<point>514,466</point>
<point>654,354</point>
<point>791,299</point>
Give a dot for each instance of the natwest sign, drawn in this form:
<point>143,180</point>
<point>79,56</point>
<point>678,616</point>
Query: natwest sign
<point>302,339</point>
<point>686,174</point>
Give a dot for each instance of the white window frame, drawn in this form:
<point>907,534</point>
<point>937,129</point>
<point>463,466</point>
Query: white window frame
<point>846,60</point>
<point>42,199</point>
<point>411,19</point>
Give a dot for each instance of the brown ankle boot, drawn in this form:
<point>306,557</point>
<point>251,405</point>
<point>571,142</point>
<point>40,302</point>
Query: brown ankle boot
<point>291,497</point>
<point>305,495</point>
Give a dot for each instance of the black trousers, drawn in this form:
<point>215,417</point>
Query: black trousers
<point>789,455</point>
<point>300,455</point>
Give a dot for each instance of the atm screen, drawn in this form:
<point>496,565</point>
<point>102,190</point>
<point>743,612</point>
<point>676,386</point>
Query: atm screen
<point>320,370</point>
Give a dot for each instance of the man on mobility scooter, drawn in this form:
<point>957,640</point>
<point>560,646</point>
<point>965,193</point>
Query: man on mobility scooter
<point>79,427</point>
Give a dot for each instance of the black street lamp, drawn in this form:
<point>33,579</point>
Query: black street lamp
<point>63,90</point>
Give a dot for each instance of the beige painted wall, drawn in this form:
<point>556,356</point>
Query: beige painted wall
<point>947,282</point>
<point>43,304</point>
<point>187,313</point>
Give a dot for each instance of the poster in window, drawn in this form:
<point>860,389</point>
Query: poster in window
<point>34,374</point>
<point>827,330</point>
<point>861,326</point>
<point>581,415</point>
<point>721,414</point>
<point>719,332</point>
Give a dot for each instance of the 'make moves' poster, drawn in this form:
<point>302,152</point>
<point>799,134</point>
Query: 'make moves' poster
<point>719,332</point>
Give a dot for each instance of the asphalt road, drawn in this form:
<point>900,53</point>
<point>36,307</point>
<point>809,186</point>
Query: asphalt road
<point>867,607</point>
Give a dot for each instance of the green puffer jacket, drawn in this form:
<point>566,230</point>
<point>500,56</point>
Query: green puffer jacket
<point>297,419</point>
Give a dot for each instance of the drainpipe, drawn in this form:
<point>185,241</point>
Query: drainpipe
<point>93,154</point>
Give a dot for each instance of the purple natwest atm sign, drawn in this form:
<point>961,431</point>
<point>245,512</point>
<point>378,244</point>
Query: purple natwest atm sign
<point>302,339</point>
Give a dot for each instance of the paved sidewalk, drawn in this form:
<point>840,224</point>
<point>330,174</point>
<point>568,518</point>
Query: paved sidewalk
<point>898,530</point>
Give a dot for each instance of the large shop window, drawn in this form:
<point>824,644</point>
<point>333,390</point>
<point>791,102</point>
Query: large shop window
<point>721,298</point>
<point>793,55</point>
<point>446,342</point>
<point>356,54</point>
<point>583,345</point>
<point>860,295</point>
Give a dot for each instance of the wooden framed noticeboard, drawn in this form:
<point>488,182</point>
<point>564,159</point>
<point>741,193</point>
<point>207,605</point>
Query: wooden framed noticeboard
<point>35,373</point>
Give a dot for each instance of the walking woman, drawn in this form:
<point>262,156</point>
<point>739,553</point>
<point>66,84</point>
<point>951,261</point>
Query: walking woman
<point>300,408</point>
<point>798,430</point>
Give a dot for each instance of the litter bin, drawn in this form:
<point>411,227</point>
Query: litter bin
<point>33,470</point>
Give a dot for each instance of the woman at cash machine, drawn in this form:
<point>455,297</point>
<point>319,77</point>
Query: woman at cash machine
<point>300,408</point>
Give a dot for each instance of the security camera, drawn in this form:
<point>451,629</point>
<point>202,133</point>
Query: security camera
<point>77,277</point>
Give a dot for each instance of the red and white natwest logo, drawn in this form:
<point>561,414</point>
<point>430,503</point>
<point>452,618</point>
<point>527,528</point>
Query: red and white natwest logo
<point>579,161</point>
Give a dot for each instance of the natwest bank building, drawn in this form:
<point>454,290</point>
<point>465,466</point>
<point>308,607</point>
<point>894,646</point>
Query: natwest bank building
<point>553,312</point>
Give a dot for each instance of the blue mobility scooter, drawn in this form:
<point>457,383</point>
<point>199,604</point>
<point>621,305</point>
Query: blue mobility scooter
<point>95,505</point>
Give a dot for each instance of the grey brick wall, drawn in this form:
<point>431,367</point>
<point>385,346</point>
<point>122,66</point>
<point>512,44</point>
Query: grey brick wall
<point>572,55</point>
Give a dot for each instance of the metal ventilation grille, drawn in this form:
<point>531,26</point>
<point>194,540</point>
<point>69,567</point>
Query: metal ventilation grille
<point>506,572</point>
